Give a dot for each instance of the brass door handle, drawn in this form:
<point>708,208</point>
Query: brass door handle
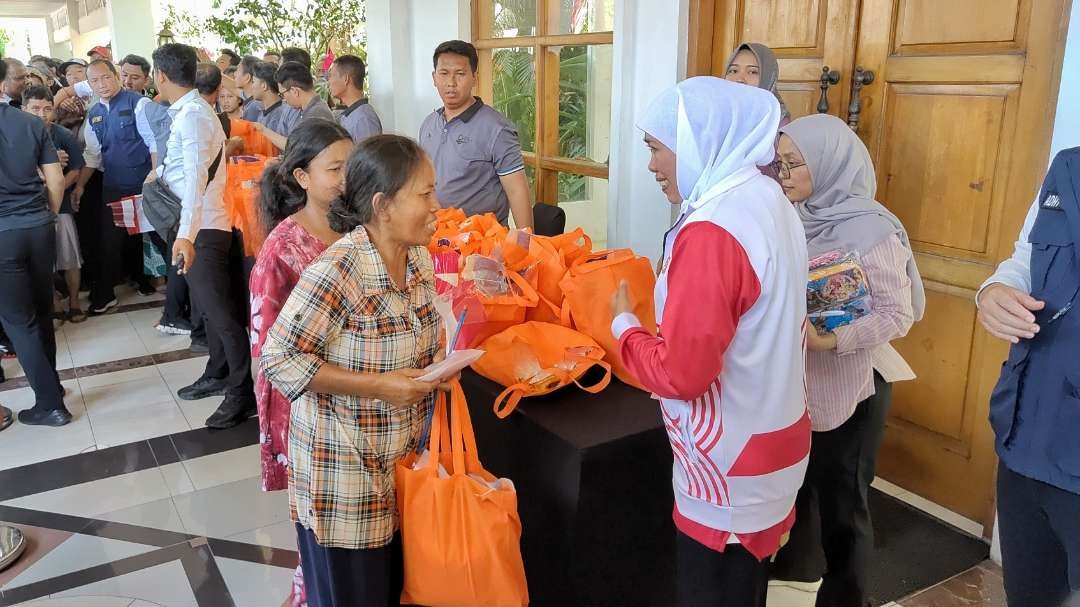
<point>828,77</point>
<point>862,78</point>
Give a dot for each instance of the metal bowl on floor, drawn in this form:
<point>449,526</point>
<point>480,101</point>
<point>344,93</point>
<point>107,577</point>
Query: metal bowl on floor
<point>12,544</point>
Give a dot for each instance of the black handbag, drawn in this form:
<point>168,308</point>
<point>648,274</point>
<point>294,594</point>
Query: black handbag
<point>162,206</point>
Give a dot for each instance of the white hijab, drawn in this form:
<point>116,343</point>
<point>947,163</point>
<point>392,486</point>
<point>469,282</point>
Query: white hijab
<point>715,128</point>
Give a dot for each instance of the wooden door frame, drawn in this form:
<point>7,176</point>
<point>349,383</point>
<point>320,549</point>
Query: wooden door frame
<point>1031,145</point>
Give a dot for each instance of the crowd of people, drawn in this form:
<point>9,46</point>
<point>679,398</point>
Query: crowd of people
<point>774,425</point>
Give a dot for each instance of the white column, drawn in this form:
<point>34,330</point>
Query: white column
<point>131,23</point>
<point>650,56</point>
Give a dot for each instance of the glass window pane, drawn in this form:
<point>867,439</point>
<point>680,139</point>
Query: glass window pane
<point>585,102</point>
<point>514,90</point>
<point>586,16</point>
<point>513,18</point>
<point>585,200</point>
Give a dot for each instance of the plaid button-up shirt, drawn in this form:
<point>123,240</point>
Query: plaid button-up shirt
<point>346,311</point>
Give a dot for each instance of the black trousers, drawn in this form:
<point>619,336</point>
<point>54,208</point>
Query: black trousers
<point>177,293</point>
<point>339,577</point>
<point>833,537</point>
<point>119,253</point>
<point>1039,526</point>
<point>216,288</point>
<point>87,220</point>
<point>707,578</point>
<point>27,258</point>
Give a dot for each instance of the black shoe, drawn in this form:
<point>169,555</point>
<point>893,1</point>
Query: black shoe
<point>179,326</point>
<point>98,310</point>
<point>37,417</point>
<point>146,289</point>
<point>232,411</point>
<point>6,418</point>
<point>199,347</point>
<point>204,387</point>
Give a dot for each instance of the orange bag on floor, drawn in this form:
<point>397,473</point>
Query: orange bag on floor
<point>241,199</point>
<point>460,530</point>
<point>538,358</point>
<point>589,287</point>
<point>553,255</point>
<point>255,143</point>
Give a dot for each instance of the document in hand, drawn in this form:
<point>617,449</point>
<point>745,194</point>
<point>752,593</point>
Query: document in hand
<point>452,364</point>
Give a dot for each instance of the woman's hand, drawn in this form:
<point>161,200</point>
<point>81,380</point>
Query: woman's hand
<point>816,342</point>
<point>401,388</point>
<point>621,302</point>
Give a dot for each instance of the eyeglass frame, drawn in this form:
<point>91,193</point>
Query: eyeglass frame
<point>783,168</point>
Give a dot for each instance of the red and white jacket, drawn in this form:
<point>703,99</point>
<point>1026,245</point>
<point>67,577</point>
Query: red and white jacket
<point>728,363</point>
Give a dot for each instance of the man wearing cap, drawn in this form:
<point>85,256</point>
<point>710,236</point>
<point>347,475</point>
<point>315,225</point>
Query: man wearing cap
<point>477,155</point>
<point>117,145</point>
<point>99,52</point>
<point>11,87</point>
<point>346,81</point>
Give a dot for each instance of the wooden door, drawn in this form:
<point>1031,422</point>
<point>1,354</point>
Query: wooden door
<point>957,124</point>
<point>958,121</point>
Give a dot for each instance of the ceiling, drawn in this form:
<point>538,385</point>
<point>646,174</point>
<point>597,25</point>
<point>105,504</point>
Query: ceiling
<point>29,8</point>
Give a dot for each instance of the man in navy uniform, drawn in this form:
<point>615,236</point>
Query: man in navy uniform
<point>1035,408</point>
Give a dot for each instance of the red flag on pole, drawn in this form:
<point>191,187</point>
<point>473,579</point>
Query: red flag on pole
<point>329,59</point>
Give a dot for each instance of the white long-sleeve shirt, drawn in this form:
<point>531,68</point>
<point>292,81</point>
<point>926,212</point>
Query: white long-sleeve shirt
<point>195,141</point>
<point>1016,270</point>
<point>92,153</point>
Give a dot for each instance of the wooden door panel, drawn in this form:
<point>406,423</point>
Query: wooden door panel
<point>801,100</point>
<point>937,170</point>
<point>785,25</point>
<point>937,22</point>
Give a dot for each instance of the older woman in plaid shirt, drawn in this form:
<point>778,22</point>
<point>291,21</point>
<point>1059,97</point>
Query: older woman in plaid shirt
<point>347,348</point>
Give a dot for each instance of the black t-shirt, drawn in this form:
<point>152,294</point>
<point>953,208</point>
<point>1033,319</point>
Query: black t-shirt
<point>63,139</point>
<point>24,145</point>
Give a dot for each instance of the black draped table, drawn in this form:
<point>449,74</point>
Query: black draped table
<point>593,476</point>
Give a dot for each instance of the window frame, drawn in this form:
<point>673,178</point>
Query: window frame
<point>545,160</point>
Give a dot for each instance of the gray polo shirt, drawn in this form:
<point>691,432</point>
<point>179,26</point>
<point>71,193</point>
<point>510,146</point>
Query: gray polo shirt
<point>316,108</point>
<point>471,153</point>
<point>252,110</point>
<point>361,121</point>
<point>276,118</point>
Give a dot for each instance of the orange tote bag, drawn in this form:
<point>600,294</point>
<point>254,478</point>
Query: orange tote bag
<point>552,256</point>
<point>255,143</point>
<point>589,287</point>
<point>241,197</point>
<point>538,358</point>
<point>460,530</point>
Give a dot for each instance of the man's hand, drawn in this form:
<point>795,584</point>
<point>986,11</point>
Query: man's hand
<point>183,255</point>
<point>152,175</point>
<point>1007,313</point>
<point>64,158</point>
<point>76,197</point>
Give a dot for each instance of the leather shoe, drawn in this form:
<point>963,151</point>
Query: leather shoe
<point>231,412</point>
<point>204,387</point>
<point>37,417</point>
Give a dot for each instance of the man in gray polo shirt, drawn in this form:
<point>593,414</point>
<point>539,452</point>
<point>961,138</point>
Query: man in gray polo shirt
<point>298,92</point>
<point>477,155</point>
<point>274,117</point>
<point>346,81</point>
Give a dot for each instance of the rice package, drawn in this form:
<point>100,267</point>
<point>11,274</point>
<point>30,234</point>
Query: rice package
<point>837,293</point>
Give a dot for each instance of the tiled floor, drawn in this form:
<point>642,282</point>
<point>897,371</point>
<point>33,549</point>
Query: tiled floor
<point>147,507</point>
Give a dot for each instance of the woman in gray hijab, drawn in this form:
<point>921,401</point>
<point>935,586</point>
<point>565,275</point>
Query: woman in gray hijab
<point>826,171</point>
<point>755,65</point>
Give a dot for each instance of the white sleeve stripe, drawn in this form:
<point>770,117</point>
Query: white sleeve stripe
<point>511,171</point>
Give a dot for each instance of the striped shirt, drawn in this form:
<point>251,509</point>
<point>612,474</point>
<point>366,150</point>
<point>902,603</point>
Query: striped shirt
<point>346,311</point>
<point>837,381</point>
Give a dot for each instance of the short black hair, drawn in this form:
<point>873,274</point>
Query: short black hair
<point>207,78</point>
<point>177,61</point>
<point>265,71</point>
<point>231,71</point>
<point>106,63</point>
<point>138,60</point>
<point>234,59</point>
<point>457,47</point>
<point>272,51</point>
<point>37,92</point>
<point>292,74</point>
<point>296,54</point>
<point>354,67</point>
<point>248,63</point>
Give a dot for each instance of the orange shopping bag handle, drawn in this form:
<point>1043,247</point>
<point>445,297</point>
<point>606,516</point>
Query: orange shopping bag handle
<point>602,259</point>
<point>458,440</point>
<point>604,381</point>
<point>515,393</point>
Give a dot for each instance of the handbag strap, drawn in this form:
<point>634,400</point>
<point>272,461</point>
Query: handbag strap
<point>465,456</point>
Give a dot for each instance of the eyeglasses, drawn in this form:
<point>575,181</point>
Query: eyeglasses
<point>783,168</point>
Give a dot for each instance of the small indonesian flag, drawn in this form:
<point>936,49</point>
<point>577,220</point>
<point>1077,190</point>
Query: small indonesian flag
<point>128,213</point>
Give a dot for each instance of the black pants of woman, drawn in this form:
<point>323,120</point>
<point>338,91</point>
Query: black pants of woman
<point>833,538</point>
<point>707,578</point>
<point>339,577</point>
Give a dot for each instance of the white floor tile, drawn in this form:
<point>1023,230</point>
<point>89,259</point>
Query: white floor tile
<point>942,513</point>
<point>128,295</point>
<point>12,368</point>
<point>21,445</point>
<point>224,467</point>
<point>78,552</point>
<point>161,514</point>
<point>145,321</point>
<point>129,421</point>
<point>227,510</point>
<point>177,479</point>
<point>196,411</point>
<point>886,487</point>
<point>105,495</point>
<point>140,374</point>
<point>279,535</point>
<point>84,601</point>
<point>183,372</point>
<point>254,584</point>
<point>108,348</point>
<point>164,584</point>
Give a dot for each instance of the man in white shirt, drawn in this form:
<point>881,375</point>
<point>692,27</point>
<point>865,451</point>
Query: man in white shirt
<point>193,167</point>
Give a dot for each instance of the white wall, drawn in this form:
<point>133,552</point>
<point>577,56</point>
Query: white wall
<point>133,28</point>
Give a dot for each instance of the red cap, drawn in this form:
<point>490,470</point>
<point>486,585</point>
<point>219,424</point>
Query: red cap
<point>101,50</point>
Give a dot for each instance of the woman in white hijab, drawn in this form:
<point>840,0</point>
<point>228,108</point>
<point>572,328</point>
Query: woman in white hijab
<point>827,172</point>
<point>727,362</point>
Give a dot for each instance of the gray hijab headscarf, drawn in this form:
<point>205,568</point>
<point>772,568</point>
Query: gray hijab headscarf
<point>769,70</point>
<point>841,213</point>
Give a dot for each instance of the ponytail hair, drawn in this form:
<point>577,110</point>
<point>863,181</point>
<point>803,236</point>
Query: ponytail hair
<point>280,194</point>
<point>383,163</point>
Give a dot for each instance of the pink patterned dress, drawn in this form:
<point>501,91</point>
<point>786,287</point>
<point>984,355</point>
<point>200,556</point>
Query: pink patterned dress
<point>286,252</point>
